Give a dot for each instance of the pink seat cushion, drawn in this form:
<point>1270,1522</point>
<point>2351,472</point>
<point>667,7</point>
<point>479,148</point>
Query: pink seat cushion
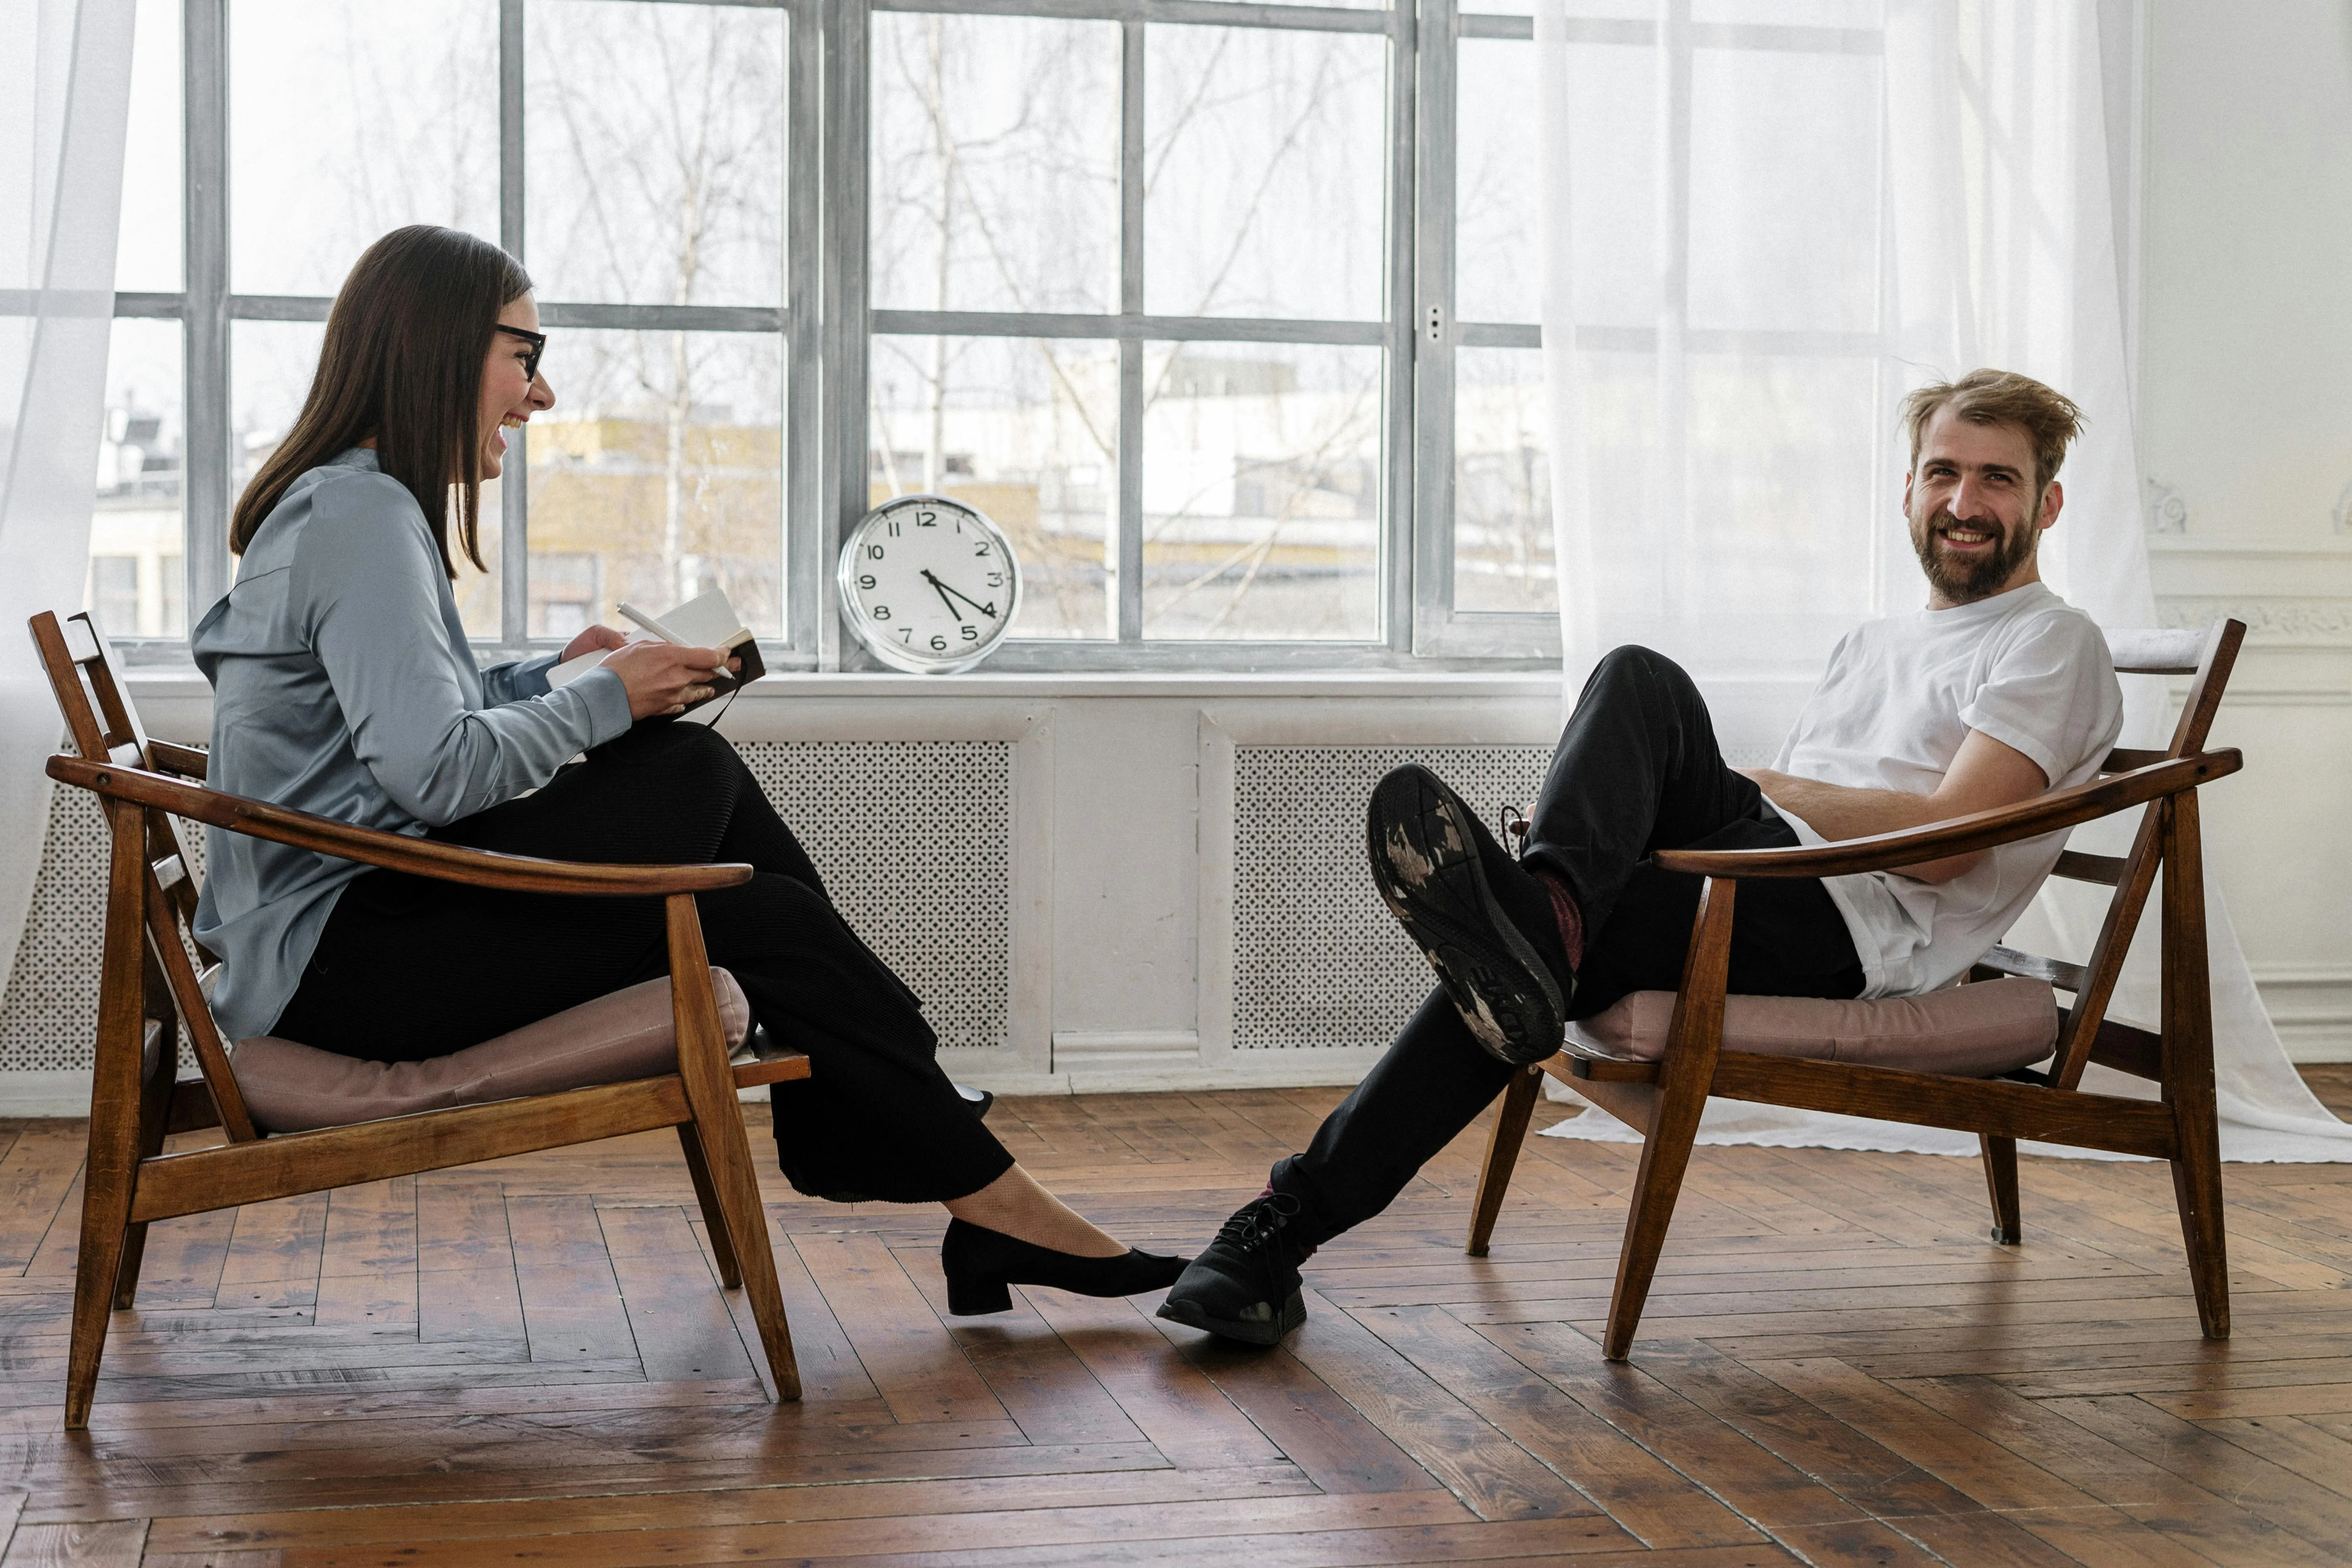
<point>291,1088</point>
<point>1965,1031</point>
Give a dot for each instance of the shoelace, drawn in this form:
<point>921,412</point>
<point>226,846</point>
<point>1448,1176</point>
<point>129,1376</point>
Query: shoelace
<point>1254,1227</point>
<point>1513,820</point>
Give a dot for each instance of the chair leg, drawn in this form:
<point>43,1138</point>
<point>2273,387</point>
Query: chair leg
<point>1512,1110</point>
<point>718,1123</point>
<point>2189,1067</point>
<point>154,1123</point>
<point>737,1192</point>
<point>1665,1158</point>
<point>714,1218</point>
<point>2196,1188</point>
<point>118,1079</point>
<point>2000,1181</point>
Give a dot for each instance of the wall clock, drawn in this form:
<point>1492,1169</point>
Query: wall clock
<point>928,584</point>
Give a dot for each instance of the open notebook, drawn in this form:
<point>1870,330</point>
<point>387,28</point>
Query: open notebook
<point>708,620</point>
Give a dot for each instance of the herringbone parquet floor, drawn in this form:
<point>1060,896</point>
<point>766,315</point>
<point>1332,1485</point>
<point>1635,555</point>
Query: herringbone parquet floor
<point>528,1361</point>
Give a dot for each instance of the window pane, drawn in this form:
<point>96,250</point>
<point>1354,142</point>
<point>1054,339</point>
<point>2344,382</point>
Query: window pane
<point>1786,445</point>
<point>136,583</point>
<point>1612,92</point>
<point>147,250</point>
<point>349,120</point>
<point>1348,5</point>
<point>1496,203</point>
<point>1502,483</point>
<point>658,476</point>
<point>1261,492</point>
<point>1785,175</point>
<point>1265,168</point>
<point>270,367</point>
<point>1576,10</point>
<point>995,172</point>
<point>1025,430</point>
<point>1791,13</point>
<point>655,150</point>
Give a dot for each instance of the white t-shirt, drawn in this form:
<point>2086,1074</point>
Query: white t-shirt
<point>1900,695</point>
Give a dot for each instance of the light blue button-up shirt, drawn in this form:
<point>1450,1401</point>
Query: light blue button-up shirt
<point>343,685</point>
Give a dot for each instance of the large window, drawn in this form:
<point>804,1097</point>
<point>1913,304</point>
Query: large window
<point>1226,314</point>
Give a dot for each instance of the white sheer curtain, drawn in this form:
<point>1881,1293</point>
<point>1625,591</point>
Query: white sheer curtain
<point>65,91</point>
<point>1757,239</point>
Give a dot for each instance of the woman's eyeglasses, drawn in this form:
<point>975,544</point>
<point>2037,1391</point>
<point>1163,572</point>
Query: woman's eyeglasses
<point>538,342</point>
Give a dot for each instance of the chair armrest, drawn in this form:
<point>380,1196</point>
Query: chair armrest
<point>395,851</point>
<point>1963,835</point>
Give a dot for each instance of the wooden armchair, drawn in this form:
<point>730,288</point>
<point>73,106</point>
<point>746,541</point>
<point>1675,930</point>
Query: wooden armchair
<point>1662,1099</point>
<point>151,986</point>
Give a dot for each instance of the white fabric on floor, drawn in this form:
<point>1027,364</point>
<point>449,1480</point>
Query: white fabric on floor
<point>1827,229</point>
<point>65,95</point>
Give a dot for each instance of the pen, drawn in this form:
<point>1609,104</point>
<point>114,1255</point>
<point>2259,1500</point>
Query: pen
<point>648,622</point>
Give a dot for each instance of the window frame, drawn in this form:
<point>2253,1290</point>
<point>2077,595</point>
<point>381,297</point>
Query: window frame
<point>827,323</point>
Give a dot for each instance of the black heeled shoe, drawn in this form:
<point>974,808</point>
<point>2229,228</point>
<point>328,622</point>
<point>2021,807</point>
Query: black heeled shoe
<point>981,1265</point>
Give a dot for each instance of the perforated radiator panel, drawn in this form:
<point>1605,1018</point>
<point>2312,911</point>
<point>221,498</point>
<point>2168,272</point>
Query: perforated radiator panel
<point>914,841</point>
<point>1318,959</point>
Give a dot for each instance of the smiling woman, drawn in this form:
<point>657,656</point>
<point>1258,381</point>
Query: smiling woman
<point>344,685</point>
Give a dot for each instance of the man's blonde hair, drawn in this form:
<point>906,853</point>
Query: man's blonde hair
<point>2050,420</point>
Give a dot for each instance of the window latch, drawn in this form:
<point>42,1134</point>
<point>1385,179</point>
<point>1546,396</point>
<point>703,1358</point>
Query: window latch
<point>1437,323</point>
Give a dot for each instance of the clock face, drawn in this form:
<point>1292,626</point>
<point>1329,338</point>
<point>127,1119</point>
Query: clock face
<point>928,584</point>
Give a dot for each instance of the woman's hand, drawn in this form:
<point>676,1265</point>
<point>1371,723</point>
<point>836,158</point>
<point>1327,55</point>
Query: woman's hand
<point>666,677</point>
<point>590,641</point>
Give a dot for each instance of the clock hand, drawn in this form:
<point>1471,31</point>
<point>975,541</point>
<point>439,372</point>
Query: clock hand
<point>941,589</point>
<point>988,610</point>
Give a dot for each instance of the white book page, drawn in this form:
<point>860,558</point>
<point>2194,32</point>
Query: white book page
<point>707,620</point>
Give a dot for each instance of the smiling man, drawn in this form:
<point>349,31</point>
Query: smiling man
<point>1994,693</point>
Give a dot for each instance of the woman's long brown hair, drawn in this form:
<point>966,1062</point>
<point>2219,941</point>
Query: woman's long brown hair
<point>403,362</point>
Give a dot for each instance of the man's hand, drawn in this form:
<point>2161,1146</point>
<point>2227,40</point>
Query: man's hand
<point>1985,776</point>
<point>666,677</point>
<point>590,641</point>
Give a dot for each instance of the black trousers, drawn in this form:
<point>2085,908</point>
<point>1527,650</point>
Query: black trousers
<point>1637,769</point>
<point>409,968</point>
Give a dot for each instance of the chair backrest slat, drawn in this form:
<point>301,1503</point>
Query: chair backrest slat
<point>95,699</point>
<point>2107,870</point>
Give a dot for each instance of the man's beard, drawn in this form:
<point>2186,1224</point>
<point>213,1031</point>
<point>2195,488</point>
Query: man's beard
<point>1965,581</point>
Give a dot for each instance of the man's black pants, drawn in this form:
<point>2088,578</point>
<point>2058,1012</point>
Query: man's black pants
<point>1637,769</point>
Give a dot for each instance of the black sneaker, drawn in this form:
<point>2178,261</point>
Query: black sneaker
<point>1455,890</point>
<point>1245,1284</point>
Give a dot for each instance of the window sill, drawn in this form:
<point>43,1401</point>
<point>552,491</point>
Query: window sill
<point>162,683</point>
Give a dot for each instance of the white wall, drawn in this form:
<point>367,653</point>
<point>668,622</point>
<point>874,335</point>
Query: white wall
<point>2245,387</point>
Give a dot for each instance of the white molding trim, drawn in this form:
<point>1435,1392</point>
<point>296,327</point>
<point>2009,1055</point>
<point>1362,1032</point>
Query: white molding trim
<point>1338,1066</point>
<point>2310,1005</point>
<point>60,1092</point>
<point>1125,1050</point>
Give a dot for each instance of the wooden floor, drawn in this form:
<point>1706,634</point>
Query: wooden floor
<point>528,1361</point>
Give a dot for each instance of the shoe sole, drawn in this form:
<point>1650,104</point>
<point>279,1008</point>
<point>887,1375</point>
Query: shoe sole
<point>1294,1314</point>
<point>1424,847</point>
